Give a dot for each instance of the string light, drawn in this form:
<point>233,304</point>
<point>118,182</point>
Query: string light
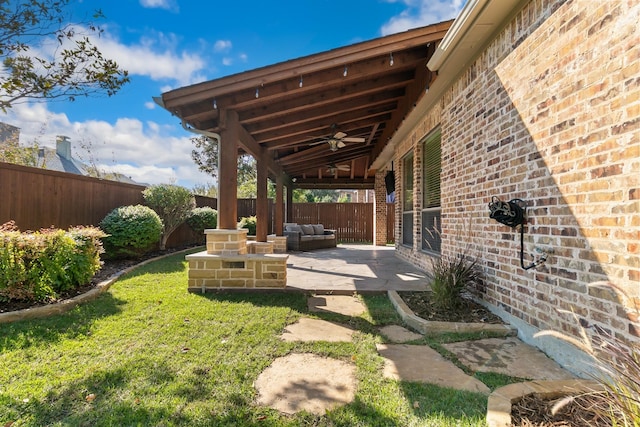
<point>391,59</point>
<point>215,104</point>
<point>300,84</point>
<point>257,92</point>
<point>344,73</point>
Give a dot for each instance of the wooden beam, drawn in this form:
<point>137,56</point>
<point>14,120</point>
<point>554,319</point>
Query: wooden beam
<point>228,172</point>
<point>262,205</point>
<point>279,214</point>
<point>295,68</point>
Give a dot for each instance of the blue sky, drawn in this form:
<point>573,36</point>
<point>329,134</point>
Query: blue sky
<point>166,44</point>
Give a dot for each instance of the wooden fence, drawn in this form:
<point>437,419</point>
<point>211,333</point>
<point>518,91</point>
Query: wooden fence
<point>353,222</point>
<point>38,198</point>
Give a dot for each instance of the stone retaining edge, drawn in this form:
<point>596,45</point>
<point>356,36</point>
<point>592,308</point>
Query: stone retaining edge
<point>68,304</point>
<point>433,327</point>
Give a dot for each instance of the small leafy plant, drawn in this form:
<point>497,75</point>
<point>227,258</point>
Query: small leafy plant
<point>249,223</point>
<point>131,231</point>
<point>38,266</point>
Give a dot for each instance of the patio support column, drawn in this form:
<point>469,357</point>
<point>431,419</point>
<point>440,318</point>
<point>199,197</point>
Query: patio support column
<point>380,210</point>
<point>228,171</point>
<point>279,214</point>
<point>290,203</point>
<point>262,206</point>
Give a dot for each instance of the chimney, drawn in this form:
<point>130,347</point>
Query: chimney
<point>63,147</point>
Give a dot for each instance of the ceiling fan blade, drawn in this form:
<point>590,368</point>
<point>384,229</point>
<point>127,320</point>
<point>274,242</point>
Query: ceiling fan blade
<point>339,135</point>
<point>341,144</point>
<point>344,167</point>
<point>317,142</point>
<point>354,139</point>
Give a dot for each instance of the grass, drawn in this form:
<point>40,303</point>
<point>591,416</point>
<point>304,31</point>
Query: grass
<point>149,353</point>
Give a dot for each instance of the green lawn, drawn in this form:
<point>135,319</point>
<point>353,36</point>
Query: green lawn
<point>148,353</point>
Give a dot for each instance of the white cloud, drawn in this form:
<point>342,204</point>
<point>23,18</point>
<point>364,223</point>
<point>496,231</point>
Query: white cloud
<point>227,61</point>
<point>144,151</point>
<point>419,13</point>
<point>150,105</point>
<point>159,4</point>
<point>185,68</point>
<point>222,46</point>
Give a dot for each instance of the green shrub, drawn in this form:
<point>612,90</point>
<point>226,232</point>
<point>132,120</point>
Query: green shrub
<point>172,203</point>
<point>38,266</point>
<point>451,277</point>
<point>200,219</point>
<point>131,231</point>
<point>249,222</point>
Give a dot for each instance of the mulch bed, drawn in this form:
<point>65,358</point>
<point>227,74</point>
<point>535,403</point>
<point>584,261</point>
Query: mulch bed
<point>533,411</point>
<point>468,311</point>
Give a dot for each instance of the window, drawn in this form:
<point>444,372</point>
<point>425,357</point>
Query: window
<point>407,200</point>
<point>431,227</point>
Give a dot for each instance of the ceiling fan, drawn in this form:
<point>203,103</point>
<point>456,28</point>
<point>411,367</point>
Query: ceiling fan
<point>338,140</point>
<point>332,168</point>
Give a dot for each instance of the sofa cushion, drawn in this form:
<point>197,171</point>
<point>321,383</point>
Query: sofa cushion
<point>318,229</point>
<point>293,227</point>
<point>306,237</point>
<point>307,229</point>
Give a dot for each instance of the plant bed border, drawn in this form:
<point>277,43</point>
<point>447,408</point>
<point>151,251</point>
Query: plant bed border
<point>429,327</point>
<point>68,304</point>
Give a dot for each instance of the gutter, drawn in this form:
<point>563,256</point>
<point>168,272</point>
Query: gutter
<point>158,100</point>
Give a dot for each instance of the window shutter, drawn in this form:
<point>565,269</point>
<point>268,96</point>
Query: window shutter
<point>432,168</point>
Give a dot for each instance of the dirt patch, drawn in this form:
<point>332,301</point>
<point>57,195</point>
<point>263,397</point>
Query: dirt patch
<point>468,312</point>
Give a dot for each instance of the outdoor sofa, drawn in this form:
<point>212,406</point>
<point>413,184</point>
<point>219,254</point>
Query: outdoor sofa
<point>306,237</point>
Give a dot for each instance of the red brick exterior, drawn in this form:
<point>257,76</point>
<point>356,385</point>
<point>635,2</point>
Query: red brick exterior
<point>548,113</point>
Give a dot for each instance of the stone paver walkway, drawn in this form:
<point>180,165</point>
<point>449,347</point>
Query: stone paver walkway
<point>309,382</point>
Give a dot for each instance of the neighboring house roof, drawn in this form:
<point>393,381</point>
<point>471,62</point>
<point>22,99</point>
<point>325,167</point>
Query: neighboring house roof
<point>48,158</point>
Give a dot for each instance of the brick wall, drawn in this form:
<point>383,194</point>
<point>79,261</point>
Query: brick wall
<point>549,113</point>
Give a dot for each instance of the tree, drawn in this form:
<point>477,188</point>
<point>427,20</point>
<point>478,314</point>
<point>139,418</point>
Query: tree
<point>205,155</point>
<point>172,203</point>
<point>14,153</point>
<point>73,66</point>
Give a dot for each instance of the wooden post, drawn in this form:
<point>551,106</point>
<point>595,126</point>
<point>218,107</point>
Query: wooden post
<point>279,216</point>
<point>290,203</point>
<point>262,206</point>
<point>228,171</point>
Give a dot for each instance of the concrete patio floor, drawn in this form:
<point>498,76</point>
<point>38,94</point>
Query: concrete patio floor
<point>352,268</point>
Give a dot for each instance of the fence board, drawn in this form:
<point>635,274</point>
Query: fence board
<point>353,222</point>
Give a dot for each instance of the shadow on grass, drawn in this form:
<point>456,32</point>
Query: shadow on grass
<point>74,323</point>
<point>295,301</point>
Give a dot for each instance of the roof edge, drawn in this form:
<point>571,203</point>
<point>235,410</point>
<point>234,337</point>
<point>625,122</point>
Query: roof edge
<point>475,26</point>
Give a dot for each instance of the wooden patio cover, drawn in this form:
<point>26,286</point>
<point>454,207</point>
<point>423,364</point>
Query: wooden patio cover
<point>285,114</point>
